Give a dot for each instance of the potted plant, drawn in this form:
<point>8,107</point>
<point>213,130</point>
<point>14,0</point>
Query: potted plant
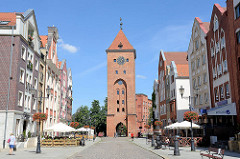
<point>74,124</point>
<point>40,117</point>
<point>191,115</point>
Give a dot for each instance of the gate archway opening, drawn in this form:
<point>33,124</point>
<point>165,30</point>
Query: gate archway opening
<point>121,130</point>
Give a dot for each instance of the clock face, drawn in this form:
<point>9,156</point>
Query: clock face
<point>120,60</point>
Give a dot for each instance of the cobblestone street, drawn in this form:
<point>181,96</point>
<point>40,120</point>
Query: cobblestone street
<point>115,148</point>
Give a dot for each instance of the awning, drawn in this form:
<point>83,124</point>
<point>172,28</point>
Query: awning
<point>229,109</point>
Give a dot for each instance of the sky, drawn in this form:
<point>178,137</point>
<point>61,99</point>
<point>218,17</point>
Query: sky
<point>88,27</point>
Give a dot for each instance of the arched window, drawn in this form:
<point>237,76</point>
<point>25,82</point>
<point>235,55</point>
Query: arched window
<point>122,91</point>
<point>117,92</point>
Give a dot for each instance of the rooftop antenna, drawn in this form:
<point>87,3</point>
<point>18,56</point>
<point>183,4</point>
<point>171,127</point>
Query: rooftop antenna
<point>121,23</point>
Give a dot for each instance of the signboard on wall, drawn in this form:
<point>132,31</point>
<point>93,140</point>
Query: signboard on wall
<point>229,109</point>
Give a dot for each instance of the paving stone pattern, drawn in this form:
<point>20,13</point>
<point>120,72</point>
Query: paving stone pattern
<point>115,148</point>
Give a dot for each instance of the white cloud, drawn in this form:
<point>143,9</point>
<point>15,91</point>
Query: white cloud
<point>68,47</point>
<point>141,76</point>
<point>93,69</point>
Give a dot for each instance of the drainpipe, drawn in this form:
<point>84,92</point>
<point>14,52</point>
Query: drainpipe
<point>9,82</point>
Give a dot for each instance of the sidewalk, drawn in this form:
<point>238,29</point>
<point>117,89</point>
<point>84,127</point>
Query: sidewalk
<point>185,152</point>
<point>47,152</point>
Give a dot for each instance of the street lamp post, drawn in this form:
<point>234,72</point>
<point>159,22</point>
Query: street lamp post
<point>38,149</point>
<point>181,89</point>
<point>152,133</point>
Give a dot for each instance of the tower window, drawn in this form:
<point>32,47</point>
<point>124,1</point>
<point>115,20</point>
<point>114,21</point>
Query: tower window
<point>124,71</point>
<point>120,82</point>
<point>122,101</point>
<point>127,60</point>
<point>123,110</point>
<point>117,101</point>
<point>117,92</point>
<point>116,71</point>
<point>114,60</point>
<point>117,109</point>
<point>122,91</point>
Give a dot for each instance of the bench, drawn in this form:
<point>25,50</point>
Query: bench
<point>214,153</point>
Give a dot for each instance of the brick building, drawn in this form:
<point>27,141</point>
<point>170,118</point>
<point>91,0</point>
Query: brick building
<point>121,85</point>
<point>19,37</point>
<point>222,116</point>
<point>143,106</point>
<point>172,74</point>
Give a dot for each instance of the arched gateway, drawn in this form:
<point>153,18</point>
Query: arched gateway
<point>121,85</point>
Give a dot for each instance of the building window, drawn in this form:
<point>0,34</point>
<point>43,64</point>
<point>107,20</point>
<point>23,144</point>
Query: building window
<point>124,71</point>
<point>219,69</point>
<point>225,68</point>
<point>196,44</point>
<point>20,98</point>
<point>237,10</point>
<point>127,60</point>
<point>29,102</point>
<point>227,90</point>
<point>35,83</point>
<point>205,77</point>
<point>172,77</point>
<point>199,81</point>
<point>122,101</point>
<point>116,71</point>
<point>215,23</point>
<point>214,73</point>
<point>117,92</point>
<point>194,83</point>
<point>117,109</point>
<point>22,73</point>
<point>36,65</point>
<point>198,62</point>
<point>193,65</point>
<point>217,47</point>
<point>212,51</point>
<point>23,53</point>
<point>206,97</point>
<point>221,92</point>
<point>122,91</point>
<point>114,60</point>
<point>123,110</point>
<point>117,101</point>
<point>34,104</point>
<point>238,37</point>
<point>120,82</point>
<point>216,94</point>
<point>222,42</point>
<point>203,59</point>
<point>25,101</point>
<point>200,99</point>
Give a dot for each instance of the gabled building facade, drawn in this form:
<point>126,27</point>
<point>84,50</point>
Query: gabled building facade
<point>172,66</point>
<point>198,67</point>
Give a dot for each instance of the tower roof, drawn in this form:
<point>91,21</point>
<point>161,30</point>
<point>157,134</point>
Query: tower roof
<point>120,42</point>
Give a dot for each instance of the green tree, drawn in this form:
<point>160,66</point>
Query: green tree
<point>82,116</point>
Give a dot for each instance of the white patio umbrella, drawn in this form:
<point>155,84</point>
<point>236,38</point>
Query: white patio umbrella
<point>82,129</point>
<point>60,127</point>
<point>183,125</point>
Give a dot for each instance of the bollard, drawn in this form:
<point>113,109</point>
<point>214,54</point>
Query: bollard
<point>176,147</point>
<point>158,143</point>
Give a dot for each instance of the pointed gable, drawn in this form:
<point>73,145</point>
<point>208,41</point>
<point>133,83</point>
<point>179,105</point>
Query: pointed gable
<point>120,42</point>
<point>44,39</point>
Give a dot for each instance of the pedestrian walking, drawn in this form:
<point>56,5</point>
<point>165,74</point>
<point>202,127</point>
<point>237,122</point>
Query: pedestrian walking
<point>12,143</point>
<point>132,136</point>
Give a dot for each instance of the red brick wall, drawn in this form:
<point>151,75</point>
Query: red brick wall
<point>128,117</point>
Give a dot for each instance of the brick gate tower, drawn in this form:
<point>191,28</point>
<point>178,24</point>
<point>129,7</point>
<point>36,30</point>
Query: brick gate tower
<point>121,85</point>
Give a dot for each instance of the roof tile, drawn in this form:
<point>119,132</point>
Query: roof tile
<point>124,41</point>
<point>8,17</point>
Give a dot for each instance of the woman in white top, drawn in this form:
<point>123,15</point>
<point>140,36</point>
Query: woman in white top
<point>12,142</point>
